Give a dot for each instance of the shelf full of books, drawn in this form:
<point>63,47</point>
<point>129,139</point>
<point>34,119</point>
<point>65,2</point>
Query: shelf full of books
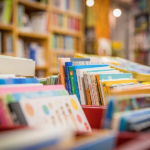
<point>37,29</point>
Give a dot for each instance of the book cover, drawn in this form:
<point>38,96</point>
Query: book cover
<point>72,80</point>
<point>7,12</point>
<point>67,64</point>
<point>87,91</point>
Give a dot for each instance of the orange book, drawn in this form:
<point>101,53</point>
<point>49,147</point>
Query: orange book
<point>100,94</point>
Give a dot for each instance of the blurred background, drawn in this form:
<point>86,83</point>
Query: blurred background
<point>45,30</point>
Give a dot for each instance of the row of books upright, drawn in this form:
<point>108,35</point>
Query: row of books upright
<point>68,5</point>
<point>63,42</point>
<point>36,22</point>
<point>64,22</point>
<point>6,11</point>
<point>93,81</point>
<point>31,50</point>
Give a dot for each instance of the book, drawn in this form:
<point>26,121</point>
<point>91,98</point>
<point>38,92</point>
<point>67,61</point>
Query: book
<point>72,80</point>
<point>7,12</point>
<point>36,112</point>
<point>87,91</point>
<point>67,64</point>
<point>7,43</point>
<point>105,89</point>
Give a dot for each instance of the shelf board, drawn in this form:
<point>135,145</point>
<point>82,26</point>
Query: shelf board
<point>32,35</point>
<point>5,54</point>
<point>68,13</point>
<point>6,27</point>
<point>63,52</point>
<point>55,70</point>
<point>32,4</point>
<point>41,67</point>
<point>66,32</point>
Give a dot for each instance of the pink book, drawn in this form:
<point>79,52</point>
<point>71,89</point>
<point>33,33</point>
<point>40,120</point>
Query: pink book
<point>5,118</point>
<point>34,88</point>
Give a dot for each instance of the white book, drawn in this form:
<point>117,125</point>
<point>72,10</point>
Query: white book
<point>17,66</point>
<point>80,79</point>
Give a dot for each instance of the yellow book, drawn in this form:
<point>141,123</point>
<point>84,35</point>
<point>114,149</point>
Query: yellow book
<point>99,89</point>
<point>105,86</point>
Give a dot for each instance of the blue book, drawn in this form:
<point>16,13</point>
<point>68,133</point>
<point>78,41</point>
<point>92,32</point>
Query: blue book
<point>75,76</point>
<point>134,116</point>
<point>67,64</point>
<point>18,81</point>
<point>66,84</point>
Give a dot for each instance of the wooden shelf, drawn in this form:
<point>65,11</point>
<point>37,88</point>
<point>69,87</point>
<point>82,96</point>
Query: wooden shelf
<point>32,35</point>
<point>66,32</point>
<point>55,70</point>
<point>6,27</point>
<point>41,67</point>
<point>5,54</point>
<point>63,52</point>
<point>67,13</point>
<point>32,4</point>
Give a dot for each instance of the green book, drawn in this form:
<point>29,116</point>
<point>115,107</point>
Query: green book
<point>7,12</point>
<point>72,80</point>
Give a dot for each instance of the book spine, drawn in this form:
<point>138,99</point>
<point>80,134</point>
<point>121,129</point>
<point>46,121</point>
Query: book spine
<point>100,94</point>
<point>67,64</point>
<point>105,93</point>
<point>66,83</point>
<point>6,114</point>
<point>72,80</point>
<point>91,90</point>
<point>95,92</point>
<point>88,97</point>
<point>76,84</point>
<point>16,111</point>
<point>81,88</point>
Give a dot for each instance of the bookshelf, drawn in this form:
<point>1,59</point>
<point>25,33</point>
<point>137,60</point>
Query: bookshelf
<point>24,36</point>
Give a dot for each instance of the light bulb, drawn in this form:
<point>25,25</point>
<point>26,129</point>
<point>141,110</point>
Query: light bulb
<point>117,12</point>
<point>90,3</point>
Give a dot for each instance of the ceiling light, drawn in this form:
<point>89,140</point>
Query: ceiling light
<point>90,3</point>
<point>117,12</point>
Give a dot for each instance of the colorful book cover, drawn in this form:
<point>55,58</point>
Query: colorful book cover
<point>67,64</point>
<point>72,80</point>
<point>36,112</point>
<point>87,91</point>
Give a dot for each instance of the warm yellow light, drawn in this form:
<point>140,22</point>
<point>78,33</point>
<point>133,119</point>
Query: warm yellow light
<point>90,3</point>
<point>117,12</point>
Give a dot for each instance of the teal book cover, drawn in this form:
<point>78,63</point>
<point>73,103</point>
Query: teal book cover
<point>116,76</point>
